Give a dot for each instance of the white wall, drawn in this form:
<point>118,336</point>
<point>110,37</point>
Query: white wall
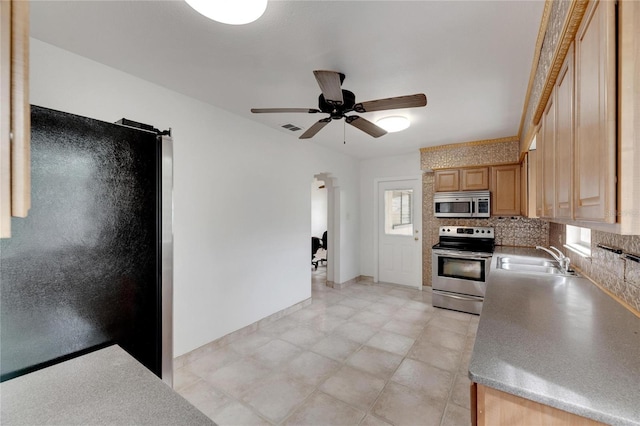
<point>233,266</point>
<point>387,167</point>
<point>318,209</point>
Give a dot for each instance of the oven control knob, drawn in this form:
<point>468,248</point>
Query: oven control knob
<point>483,232</point>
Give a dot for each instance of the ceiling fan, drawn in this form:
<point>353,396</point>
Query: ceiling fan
<point>337,102</point>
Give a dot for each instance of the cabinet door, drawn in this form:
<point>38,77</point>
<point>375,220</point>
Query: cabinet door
<point>564,139</point>
<point>505,190</point>
<point>447,180</point>
<point>548,157</point>
<point>494,407</point>
<point>474,179</point>
<point>532,183</point>
<point>5,119</point>
<point>595,145</point>
<point>539,159</point>
<point>524,183</point>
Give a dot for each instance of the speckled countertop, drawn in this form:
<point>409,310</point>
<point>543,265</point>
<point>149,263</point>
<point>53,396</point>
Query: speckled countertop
<point>105,387</point>
<point>560,341</point>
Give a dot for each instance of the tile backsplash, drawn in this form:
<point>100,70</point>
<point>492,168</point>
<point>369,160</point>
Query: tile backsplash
<point>621,277</point>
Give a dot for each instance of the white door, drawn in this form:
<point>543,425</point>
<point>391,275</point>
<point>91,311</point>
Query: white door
<point>399,245</point>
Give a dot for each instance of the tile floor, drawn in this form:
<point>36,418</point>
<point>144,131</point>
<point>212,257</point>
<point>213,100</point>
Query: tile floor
<point>368,354</point>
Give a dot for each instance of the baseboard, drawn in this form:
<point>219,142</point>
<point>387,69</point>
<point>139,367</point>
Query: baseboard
<point>340,286</point>
<point>184,359</point>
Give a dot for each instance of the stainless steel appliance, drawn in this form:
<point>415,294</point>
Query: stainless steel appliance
<point>462,204</point>
<point>92,263</point>
<point>461,263</point>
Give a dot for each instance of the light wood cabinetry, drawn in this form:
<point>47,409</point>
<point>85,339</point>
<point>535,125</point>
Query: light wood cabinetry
<point>475,179</point>
<point>524,185</point>
<point>596,96</point>
<point>465,179</point>
<point>539,161</point>
<point>532,183</point>
<point>546,147</point>
<point>564,95</point>
<point>15,113</point>
<point>447,180</point>
<point>503,181</point>
<point>5,119</point>
<point>595,144</point>
<point>494,407</point>
<point>505,190</point>
<point>628,199</point>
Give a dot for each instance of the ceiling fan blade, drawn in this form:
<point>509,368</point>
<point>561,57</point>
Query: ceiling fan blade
<point>366,126</point>
<point>311,131</point>
<point>330,82</point>
<point>263,110</point>
<point>409,101</point>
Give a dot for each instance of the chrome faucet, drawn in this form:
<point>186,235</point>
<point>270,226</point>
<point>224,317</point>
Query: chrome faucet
<point>563,261</point>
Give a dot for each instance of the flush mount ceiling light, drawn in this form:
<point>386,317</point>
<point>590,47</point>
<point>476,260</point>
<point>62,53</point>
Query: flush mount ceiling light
<point>394,123</point>
<point>233,12</point>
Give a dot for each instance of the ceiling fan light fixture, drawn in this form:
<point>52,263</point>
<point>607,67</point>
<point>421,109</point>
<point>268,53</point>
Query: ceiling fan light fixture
<point>394,123</point>
<point>232,12</point>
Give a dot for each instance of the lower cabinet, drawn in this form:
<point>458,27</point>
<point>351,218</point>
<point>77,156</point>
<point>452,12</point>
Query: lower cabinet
<point>491,407</point>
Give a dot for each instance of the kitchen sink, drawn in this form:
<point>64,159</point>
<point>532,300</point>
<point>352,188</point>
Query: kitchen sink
<point>519,267</point>
<point>531,265</point>
<point>532,261</point>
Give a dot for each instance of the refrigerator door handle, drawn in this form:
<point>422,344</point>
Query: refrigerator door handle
<point>166,146</point>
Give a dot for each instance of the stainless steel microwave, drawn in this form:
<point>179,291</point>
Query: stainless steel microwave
<point>462,204</point>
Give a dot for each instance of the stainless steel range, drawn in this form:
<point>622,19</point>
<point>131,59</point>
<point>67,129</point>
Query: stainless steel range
<point>461,262</point>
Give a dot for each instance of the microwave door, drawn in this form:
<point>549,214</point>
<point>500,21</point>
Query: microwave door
<point>453,207</point>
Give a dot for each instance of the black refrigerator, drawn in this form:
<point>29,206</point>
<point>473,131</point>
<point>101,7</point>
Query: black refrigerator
<point>91,265</point>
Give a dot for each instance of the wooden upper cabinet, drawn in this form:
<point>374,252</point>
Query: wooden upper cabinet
<point>5,119</point>
<point>547,147</point>
<point>628,100</point>
<point>447,180</point>
<point>505,190</point>
<point>595,119</point>
<point>538,173</point>
<point>467,179</point>
<point>524,184</point>
<point>474,179</point>
<point>564,139</point>
<point>15,113</point>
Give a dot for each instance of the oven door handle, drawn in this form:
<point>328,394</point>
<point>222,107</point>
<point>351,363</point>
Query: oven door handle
<point>460,255</point>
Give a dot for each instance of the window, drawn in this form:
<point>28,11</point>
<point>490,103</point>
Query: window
<point>398,212</point>
<point>579,240</point>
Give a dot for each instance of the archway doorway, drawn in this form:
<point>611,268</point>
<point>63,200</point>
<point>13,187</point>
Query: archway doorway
<point>319,233</point>
<point>331,242</point>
